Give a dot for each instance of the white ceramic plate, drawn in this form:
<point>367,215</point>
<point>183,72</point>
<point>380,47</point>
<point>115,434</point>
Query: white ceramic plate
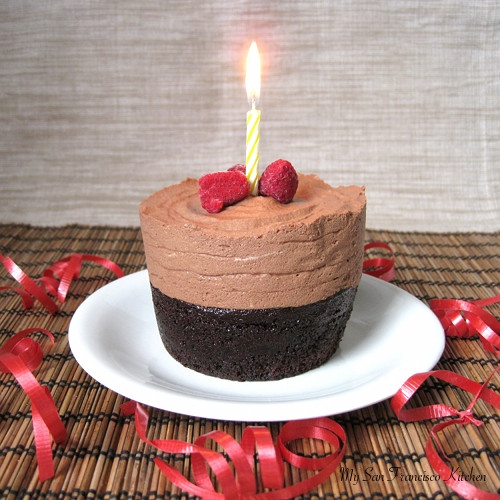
<point>390,336</point>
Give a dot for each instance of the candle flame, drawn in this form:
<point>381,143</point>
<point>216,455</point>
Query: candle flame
<point>252,80</point>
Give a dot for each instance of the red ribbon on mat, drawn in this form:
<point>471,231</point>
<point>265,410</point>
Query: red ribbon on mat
<point>464,417</point>
<point>19,356</point>
<point>30,289</point>
<point>380,267</point>
<point>464,319</point>
<point>241,484</point>
<point>56,279</point>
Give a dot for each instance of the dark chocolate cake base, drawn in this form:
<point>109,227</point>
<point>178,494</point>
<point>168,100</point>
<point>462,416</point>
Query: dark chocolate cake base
<point>256,344</point>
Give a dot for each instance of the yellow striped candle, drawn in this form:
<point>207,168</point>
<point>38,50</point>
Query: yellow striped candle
<point>253,118</point>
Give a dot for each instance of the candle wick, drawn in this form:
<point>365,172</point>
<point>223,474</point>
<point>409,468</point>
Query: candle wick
<point>253,103</point>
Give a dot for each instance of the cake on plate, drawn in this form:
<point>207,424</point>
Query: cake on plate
<point>261,290</point>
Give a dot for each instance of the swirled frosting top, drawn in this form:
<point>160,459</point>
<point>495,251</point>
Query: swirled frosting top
<point>257,253</point>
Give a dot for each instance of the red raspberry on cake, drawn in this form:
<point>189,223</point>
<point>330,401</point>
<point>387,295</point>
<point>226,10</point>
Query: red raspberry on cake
<point>220,189</point>
<point>280,181</point>
<point>239,167</point>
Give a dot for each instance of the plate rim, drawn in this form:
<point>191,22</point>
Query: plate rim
<point>225,409</point>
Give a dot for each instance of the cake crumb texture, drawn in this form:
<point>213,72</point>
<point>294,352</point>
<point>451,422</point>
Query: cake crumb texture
<point>259,344</point>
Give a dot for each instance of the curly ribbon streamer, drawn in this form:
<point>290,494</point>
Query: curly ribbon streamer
<point>254,439</point>
<point>465,319</point>
<point>380,267</point>
<point>480,391</point>
<point>29,287</point>
<point>19,356</point>
<point>56,279</point>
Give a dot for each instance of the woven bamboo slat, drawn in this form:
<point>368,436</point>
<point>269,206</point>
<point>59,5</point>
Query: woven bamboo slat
<point>103,458</point>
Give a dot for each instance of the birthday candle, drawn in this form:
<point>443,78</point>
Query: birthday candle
<point>253,117</point>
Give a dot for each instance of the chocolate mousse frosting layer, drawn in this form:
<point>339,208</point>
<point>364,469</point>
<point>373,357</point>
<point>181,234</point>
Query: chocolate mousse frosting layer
<point>257,253</point>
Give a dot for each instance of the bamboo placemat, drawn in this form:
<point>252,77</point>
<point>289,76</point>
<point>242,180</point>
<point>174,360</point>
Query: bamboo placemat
<point>104,458</point>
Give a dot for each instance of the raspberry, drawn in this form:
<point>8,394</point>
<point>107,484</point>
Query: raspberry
<point>220,189</point>
<point>279,181</point>
<point>239,167</point>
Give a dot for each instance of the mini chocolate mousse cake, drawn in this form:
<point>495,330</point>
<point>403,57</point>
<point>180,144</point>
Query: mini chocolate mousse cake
<point>261,290</point>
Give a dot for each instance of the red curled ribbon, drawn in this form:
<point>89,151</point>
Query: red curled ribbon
<point>56,279</point>
<point>254,439</point>
<point>480,391</point>
<point>21,355</point>
<point>465,319</point>
<point>380,267</point>
<point>29,289</point>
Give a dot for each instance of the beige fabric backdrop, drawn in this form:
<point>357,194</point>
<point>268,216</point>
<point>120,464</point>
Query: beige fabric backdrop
<point>103,102</point>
